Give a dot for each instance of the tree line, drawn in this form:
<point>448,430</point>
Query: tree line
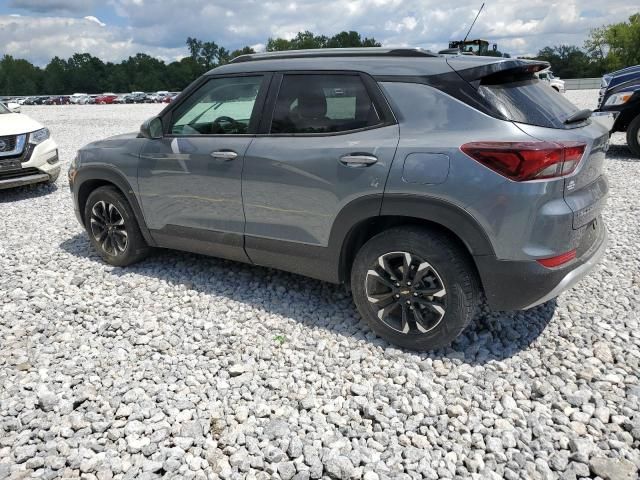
<point>83,72</point>
<point>606,49</point>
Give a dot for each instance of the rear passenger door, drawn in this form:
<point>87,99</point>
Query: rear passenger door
<point>326,140</point>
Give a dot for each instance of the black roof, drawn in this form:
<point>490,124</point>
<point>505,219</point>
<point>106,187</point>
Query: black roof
<point>374,61</point>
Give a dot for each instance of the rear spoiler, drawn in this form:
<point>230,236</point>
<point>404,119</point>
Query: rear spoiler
<point>492,71</point>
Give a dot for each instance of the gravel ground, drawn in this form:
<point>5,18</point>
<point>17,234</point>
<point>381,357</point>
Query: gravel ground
<point>191,367</point>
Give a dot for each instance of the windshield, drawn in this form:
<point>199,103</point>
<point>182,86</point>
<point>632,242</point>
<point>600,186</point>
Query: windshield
<point>529,101</point>
<point>4,109</point>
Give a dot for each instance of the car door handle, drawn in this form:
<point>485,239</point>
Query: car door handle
<point>225,155</point>
<point>358,160</point>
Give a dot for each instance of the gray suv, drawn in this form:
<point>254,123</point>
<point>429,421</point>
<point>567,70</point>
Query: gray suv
<point>425,183</point>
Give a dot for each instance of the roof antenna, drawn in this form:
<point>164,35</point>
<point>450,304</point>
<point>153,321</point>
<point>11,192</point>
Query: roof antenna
<point>474,22</point>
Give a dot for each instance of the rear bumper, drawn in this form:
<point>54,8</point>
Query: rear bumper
<point>511,285</point>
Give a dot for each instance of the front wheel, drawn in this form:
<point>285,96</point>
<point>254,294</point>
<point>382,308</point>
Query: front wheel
<point>633,136</point>
<point>415,287</point>
<point>112,227</point>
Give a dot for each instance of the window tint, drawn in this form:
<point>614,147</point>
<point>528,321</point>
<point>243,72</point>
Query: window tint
<point>529,101</point>
<point>323,104</point>
<point>220,106</point>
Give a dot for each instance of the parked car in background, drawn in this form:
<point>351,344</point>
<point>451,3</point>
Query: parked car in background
<point>169,98</point>
<point>160,95</point>
<point>106,99</point>
<point>120,99</point>
<point>12,106</point>
<point>422,182</point>
<point>554,82</point>
<point>27,152</point>
<point>78,98</point>
<point>59,100</point>
<point>136,97</point>
<point>620,93</point>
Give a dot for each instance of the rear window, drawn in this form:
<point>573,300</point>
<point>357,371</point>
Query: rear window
<point>529,101</point>
<point>323,103</point>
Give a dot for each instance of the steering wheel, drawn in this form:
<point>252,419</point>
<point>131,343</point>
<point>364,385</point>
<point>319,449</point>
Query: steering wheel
<point>223,119</point>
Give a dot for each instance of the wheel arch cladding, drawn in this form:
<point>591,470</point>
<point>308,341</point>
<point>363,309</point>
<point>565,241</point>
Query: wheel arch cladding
<point>398,210</point>
<point>90,178</point>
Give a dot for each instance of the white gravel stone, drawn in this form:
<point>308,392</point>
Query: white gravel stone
<point>171,365</point>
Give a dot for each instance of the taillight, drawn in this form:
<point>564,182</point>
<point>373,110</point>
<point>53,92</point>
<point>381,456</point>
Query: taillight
<point>522,161</point>
<point>558,259</point>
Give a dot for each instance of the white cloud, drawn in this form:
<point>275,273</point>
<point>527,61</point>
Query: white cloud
<point>91,18</point>
<point>41,38</point>
<point>160,27</point>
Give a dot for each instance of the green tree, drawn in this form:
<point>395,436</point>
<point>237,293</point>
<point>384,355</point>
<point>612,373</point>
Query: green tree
<point>19,77</point>
<point>616,46</point>
<point>86,73</point>
<point>55,76</point>
<point>569,61</point>
<point>207,54</point>
<point>242,51</point>
<point>145,73</point>
<point>351,39</point>
<point>83,72</point>
<point>307,40</point>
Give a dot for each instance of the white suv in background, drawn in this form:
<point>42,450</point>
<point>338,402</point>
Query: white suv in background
<point>27,152</point>
<point>554,82</point>
<point>78,98</point>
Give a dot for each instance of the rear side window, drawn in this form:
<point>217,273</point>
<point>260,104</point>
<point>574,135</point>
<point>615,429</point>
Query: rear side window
<point>323,104</point>
<point>529,101</point>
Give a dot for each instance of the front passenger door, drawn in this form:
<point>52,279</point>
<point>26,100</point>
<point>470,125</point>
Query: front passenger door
<point>190,180</point>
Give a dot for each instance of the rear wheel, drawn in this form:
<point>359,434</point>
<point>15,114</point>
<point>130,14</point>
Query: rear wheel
<point>112,227</point>
<point>414,287</point>
<point>633,136</point>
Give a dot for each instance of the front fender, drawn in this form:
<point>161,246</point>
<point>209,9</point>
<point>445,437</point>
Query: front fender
<point>91,177</point>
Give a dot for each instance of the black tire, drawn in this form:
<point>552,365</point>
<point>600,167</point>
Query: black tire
<point>447,265</point>
<point>121,249</point>
<point>633,136</point>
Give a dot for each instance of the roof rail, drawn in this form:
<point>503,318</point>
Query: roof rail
<point>336,52</point>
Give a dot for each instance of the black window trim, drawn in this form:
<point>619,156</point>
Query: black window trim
<point>256,112</point>
<point>371,86</point>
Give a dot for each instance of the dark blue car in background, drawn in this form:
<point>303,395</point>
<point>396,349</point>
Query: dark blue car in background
<point>620,92</point>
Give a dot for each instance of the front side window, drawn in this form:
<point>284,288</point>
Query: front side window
<point>323,104</point>
<point>220,106</point>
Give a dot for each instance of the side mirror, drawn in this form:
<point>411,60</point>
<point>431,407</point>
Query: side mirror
<point>151,128</point>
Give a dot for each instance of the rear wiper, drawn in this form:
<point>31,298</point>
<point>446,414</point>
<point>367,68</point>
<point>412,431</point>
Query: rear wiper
<point>579,116</point>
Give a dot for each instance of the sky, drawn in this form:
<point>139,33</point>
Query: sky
<point>38,30</point>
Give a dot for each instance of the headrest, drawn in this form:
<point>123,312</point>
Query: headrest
<point>312,104</point>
